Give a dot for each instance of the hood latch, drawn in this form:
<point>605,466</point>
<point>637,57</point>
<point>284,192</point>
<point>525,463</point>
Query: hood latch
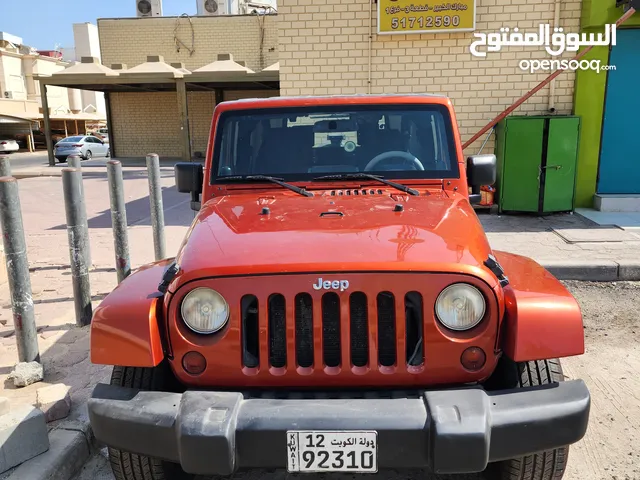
<point>168,276</point>
<point>492,264</point>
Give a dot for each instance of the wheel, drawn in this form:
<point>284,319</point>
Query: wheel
<point>130,466</point>
<point>108,153</point>
<point>61,160</point>
<point>547,465</point>
<point>88,155</point>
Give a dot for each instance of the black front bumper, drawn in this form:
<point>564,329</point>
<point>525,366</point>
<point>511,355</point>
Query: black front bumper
<point>447,431</point>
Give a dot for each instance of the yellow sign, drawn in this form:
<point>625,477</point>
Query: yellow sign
<point>421,16</point>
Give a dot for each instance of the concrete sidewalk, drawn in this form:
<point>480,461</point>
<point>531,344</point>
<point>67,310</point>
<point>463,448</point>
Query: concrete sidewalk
<point>571,246</point>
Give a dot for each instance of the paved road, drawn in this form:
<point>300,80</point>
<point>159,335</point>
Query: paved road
<point>611,448</point>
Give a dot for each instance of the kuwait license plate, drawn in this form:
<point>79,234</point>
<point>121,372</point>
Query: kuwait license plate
<point>343,451</point>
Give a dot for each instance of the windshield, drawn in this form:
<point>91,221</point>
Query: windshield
<point>302,143</point>
<point>71,140</point>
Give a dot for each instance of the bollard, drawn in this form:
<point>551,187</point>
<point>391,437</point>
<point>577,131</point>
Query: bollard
<point>119,219</point>
<point>74,161</point>
<point>15,251</point>
<point>157,212</point>
<point>78,234</point>
<point>5,166</point>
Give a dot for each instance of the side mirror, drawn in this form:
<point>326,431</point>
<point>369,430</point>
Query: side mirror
<point>481,170</point>
<point>189,178</point>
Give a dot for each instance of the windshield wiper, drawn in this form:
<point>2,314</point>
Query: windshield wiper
<point>367,176</point>
<point>266,178</point>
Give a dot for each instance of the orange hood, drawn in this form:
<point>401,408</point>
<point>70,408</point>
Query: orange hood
<point>232,236</point>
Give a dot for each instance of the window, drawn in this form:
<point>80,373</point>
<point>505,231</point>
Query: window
<point>301,143</point>
<point>72,139</point>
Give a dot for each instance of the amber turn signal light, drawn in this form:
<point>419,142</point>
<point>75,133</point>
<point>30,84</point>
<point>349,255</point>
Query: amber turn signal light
<point>473,359</point>
<point>194,363</point>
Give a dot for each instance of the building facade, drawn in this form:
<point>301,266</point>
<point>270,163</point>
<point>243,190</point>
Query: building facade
<point>325,49</point>
<point>21,108</point>
<point>144,121</point>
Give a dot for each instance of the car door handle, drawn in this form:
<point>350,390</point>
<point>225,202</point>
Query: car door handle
<point>555,167</point>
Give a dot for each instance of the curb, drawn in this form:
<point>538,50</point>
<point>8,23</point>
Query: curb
<point>594,270</point>
<point>23,175</point>
<point>71,446</point>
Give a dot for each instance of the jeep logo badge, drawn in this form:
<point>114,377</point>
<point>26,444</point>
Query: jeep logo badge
<point>341,285</point>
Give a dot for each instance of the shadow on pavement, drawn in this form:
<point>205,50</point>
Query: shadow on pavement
<point>139,212</point>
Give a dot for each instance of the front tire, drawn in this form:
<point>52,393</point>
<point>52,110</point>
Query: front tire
<point>130,466</point>
<point>547,465</point>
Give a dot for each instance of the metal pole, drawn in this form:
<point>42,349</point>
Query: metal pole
<point>119,219</point>
<point>78,243</point>
<point>74,161</point>
<point>32,144</point>
<point>47,123</point>
<point>15,251</point>
<point>157,212</point>
<point>5,166</point>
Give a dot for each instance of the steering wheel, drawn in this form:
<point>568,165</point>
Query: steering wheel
<point>406,156</point>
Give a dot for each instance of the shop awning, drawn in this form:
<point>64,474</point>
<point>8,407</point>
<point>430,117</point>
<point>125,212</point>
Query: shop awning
<point>156,75</point>
<point>12,119</point>
<point>154,68</point>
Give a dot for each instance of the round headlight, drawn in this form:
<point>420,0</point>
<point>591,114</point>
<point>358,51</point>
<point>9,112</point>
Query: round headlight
<point>460,306</point>
<point>204,310</point>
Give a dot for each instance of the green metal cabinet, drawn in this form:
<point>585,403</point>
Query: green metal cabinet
<point>537,159</point>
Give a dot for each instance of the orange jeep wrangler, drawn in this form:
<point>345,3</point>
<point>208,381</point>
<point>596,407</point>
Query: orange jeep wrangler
<point>336,307</point>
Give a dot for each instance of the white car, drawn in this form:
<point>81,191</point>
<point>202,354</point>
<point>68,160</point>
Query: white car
<point>8,146</point>
<point>103,134</point>
<point>86,146</point>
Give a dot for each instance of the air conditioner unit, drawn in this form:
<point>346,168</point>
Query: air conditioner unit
<point>213,7</point>
<point>8,95</point>
<point>149,8</point>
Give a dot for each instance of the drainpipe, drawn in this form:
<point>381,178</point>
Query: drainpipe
<point>552,85</point>
<point>370,43</point>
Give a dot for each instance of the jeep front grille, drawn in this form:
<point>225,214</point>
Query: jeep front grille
<point>294,324</point>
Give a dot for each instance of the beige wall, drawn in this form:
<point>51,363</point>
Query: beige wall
<point>58,96</point>
<point>148,122</point>
<point>15,72</point>
<point>324,50</point>
<point>12,77</point>
<point>200,106</point>
<point>145,123</point>
<point>131,40</point>
<point>19,108</point>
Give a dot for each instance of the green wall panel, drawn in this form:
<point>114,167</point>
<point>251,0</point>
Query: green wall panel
<point>589,105</point>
